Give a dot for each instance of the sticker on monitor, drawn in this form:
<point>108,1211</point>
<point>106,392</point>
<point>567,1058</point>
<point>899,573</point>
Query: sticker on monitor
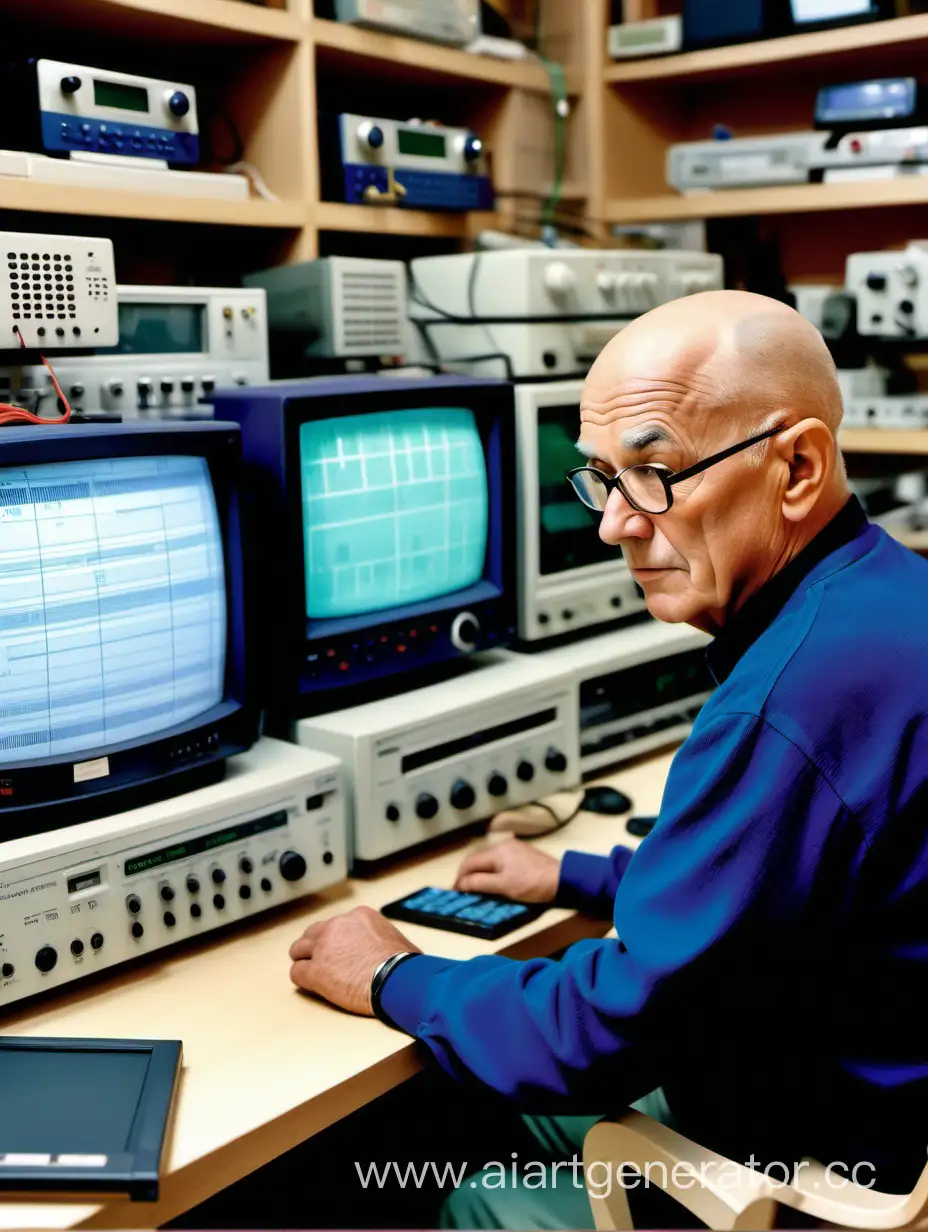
<point>395,509</point>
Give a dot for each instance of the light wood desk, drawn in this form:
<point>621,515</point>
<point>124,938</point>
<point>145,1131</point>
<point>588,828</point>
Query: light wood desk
<point>265,1066</point>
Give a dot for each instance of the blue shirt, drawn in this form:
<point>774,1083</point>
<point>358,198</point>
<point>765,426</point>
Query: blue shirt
<point>773,927</point>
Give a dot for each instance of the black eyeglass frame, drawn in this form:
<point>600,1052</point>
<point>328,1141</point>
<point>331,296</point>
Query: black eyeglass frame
<point>667,477</point>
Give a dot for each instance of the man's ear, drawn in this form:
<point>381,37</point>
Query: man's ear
<point>808,449</point>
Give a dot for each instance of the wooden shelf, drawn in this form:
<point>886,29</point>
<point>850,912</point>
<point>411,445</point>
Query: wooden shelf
<point>193,21</point>
<point>884,440</point>
<point>902,36</point>
<point>393,220</point>
<point>917,540</point>
<point>786,199</point>
<point>339,43</point>
<point>110,203</point>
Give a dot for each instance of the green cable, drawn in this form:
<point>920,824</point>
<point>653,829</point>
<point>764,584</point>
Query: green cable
<point>558,81</point>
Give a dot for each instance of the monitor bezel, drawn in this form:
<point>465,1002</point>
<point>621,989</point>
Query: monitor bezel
<point>142,765</point>
<point>136,1171</point>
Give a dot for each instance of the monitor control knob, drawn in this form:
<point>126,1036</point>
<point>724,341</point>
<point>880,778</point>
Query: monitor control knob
<point>497,785</point>
<point>178,103</point>
<point>560,278</point>
<point>70,85</point>
<point>218,875</point>
<point>472,148</point>
<point>464,631</point>
<point>134,904</point>
<point>370,135</point>
<point>426,806</point>
<point>46,958</point>
<point>292,866</point>
<point>607,282</point>
<point>462,795</point>
<point>555,761</point>
<point>193,884</point>
<point>525,771</point>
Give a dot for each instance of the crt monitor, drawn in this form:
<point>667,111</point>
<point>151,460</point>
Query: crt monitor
<point>122,636</point>
<point>386,508</point>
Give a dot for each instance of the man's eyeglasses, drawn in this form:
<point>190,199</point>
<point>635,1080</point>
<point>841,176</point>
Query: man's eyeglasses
<point>648,487</point>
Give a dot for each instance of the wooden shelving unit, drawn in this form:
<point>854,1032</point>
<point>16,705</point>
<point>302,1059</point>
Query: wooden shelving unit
<point>112,203</point>
<point>391,220</point>
<point>841,50</point>
<point>884,440</point>
<point>405,57</point>
<point>784,199</point>
<point>269,68</point>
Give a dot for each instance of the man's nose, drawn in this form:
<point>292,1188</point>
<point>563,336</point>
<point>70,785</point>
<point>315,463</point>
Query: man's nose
<point>621,520</point>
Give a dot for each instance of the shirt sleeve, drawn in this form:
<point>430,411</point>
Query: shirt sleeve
<point>728,870</point>
<point>590,883</point>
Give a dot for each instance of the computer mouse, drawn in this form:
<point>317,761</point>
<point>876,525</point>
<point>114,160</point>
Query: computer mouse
<point>606,800</point>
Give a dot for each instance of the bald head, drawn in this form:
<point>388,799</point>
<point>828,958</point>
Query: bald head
<point>745,359</point>
<point>685,382</point>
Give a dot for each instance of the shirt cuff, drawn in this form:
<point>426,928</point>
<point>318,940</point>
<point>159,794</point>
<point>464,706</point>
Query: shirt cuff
<point>405,989</point>
<point>585,878</point>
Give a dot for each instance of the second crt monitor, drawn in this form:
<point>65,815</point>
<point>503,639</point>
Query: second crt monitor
<point>384,510</point>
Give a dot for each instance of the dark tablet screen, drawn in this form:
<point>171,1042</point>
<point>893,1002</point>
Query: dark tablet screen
<point>79,1102</point>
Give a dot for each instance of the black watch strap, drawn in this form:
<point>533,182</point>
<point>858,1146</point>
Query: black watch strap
<point>380,978</point>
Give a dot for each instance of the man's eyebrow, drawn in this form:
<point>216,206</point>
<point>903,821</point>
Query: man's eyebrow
<point>587,450</point>
<point>641,438</point>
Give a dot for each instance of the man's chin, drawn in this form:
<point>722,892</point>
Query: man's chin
<point>667,595</point>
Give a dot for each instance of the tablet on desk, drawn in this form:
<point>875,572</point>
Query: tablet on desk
<point>478,915</point>
<point>82,1115</point>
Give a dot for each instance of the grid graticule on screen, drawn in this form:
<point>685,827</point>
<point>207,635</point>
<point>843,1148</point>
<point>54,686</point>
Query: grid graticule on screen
<point>113,620</point>
<point>395,508</point>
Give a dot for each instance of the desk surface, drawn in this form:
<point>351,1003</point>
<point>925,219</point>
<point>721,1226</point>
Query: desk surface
<point>265,1066</point>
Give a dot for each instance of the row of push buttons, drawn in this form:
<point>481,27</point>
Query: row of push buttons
<point>406,643</point>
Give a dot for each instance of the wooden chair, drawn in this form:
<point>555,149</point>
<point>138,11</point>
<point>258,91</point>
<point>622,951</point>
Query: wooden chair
<point>727,1195</point>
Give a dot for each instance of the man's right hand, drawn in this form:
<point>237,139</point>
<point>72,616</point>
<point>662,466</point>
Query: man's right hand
<point>512,869</point>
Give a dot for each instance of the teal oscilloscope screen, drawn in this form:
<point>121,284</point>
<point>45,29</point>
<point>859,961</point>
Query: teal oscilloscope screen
<point>395,509</point>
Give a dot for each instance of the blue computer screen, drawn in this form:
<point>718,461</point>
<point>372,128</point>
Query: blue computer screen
<point>113,612</point>
<point>395,509</point>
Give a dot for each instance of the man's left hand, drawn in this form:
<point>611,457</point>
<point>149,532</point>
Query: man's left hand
<point>336,959</point>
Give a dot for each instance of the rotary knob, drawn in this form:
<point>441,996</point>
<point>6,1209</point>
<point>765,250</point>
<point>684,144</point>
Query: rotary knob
<point>607,282</point>
<point>46,958</point>
<point>560,278</point>
<point>134,904</point>
<point>497,785</point>
<point>462,795</point>
<point>426,806</point>
<point>472,148</point>
<point>178,103</point>
<point>464,631</point>
<point>370,135</point>
<point>555,761</point>
<point>525,771</point>
<point>70,85</point>
<point>292,866</point>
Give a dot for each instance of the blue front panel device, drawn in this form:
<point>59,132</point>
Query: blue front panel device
<point>425,190</point>
<point>63,133</point>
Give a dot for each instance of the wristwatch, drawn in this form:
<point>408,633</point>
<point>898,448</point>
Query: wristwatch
<point>380,978</point>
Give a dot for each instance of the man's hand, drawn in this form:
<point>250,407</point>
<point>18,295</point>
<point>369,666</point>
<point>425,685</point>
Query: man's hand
<point>336,958</point>
<point>512,869</point>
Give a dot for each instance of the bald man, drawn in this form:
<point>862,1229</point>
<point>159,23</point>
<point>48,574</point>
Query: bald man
<point>773,927</point>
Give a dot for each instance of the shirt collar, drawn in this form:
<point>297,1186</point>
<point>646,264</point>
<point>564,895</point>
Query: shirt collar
<point>762,608</point>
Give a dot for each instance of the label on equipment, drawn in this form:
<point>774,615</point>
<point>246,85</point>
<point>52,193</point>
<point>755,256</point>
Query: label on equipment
<point>84,771</point>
